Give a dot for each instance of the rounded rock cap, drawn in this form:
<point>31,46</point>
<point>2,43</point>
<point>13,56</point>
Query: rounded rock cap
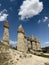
<point>6,24</point>
<point>32,38</point>
<point>20,29</point>
<point>37,40</point>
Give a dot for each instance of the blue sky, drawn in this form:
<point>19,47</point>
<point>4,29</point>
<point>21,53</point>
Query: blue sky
<point>32,14</point>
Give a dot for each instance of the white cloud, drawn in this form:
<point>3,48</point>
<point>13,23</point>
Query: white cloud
<point>3,15</point>
<point>45,19</point>
<point>13,43</point>
<point>46,42</point>
<point>39,21</point>
<point>30,8</point>
<point>48,24</point>
<point>0,4</point>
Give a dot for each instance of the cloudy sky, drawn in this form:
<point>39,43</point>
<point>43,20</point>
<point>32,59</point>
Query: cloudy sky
<point>32,14</point>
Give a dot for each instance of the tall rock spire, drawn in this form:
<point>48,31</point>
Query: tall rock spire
<point>6,33</point>
<point>20,29</point>
<point>22,42</point>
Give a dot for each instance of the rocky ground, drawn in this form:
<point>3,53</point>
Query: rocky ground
<point>9,56</point>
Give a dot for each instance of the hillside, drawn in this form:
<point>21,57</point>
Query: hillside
<point>9,56</point>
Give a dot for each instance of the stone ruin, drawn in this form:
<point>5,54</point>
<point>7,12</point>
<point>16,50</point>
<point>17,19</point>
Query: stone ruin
<point>24,43</point>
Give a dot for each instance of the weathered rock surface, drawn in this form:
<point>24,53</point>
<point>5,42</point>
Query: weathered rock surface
<point>9,56</point>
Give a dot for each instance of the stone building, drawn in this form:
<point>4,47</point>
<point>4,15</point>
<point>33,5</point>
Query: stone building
<point>6,33</point>
<point>22,42</point>
<point>26,43</point>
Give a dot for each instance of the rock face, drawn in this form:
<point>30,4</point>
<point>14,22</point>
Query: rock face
<point>33,43</point>
<point>4,54</point>
<point>6,33</point>
<point>26,43</point>
<point>9,56</point>
<point>36,44</point>
<point>22,42</point>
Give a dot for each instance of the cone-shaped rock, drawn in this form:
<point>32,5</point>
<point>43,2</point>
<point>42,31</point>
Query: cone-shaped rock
<point>22,42</point>
<point>20,29</point>
<point>6,33</point>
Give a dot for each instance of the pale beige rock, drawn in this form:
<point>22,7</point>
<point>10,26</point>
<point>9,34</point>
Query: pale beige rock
<point>22,42</point>
<point>38,47</point>
<point>6,33</point>
<point>35,44</point>
<point>25,43</point>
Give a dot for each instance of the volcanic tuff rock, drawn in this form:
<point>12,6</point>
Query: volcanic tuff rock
<point>10,56</point>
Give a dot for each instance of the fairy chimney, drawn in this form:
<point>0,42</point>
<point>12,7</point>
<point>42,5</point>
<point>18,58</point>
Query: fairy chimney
<point>22,42</point>
<point>33,44</point>
<point>37,44</point>
<point>6,33</point>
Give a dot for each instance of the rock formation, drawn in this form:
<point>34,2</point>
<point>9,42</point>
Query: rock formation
<point>22,42</point>
<point>25,42</point>
<point>34,43</point>
<point>10,56</point>
<point>6,33</point>
<point>38,47</point>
